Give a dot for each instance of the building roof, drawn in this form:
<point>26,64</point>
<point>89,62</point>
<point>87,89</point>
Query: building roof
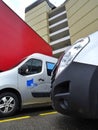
<point>37,2</point>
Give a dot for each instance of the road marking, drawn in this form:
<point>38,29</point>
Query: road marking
<point>14,119</point>
<point>48,113</point>
<point>26,117</point>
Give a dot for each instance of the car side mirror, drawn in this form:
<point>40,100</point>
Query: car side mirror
<point>23,70</point>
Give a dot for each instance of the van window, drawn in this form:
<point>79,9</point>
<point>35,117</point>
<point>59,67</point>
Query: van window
<point>50,67</point>
<point>32,66</point>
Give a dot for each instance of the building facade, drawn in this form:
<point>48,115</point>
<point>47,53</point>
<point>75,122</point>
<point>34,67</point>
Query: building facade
<point>62,26</point>
<point>82,18</point>
<point>50,23</point>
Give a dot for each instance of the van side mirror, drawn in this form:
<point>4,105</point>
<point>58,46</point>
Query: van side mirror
<point>23,70</point>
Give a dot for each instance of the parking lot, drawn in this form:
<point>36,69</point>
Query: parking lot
<point>45,119</point>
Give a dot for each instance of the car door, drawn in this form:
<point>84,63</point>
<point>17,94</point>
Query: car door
<point>49,68</point>
<point>32,80</point>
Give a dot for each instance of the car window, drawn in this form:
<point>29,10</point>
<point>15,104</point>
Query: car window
<point>32,66</point>
<point>49,67</point>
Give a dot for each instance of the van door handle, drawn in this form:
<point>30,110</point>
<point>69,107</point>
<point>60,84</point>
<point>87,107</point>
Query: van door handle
<point>41,79</point>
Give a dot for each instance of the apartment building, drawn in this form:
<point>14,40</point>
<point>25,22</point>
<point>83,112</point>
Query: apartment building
<point>82,17</point>
<point>62,26</point>
<point>50,23</point>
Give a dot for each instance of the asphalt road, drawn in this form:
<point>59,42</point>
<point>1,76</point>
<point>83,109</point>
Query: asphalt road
<point>45,119</point>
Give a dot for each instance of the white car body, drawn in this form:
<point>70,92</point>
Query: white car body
<point>75,79</point>
<point>26,84</point>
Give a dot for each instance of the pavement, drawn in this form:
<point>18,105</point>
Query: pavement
<point>45,119</point>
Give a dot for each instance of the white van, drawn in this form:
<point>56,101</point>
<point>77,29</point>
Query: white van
<point>26,84</point>
<point>75,79</point>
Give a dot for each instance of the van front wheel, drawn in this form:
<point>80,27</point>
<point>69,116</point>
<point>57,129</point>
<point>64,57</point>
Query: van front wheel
<point>8,104</point>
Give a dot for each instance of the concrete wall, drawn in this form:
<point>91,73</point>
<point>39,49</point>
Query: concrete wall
<point>82,17</point>
<point>37,18</point>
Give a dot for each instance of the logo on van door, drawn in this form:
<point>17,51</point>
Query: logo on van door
<point>31,83</point>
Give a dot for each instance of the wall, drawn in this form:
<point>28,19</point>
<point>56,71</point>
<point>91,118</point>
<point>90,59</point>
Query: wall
<point>37,18</point>
<point>82,17</point>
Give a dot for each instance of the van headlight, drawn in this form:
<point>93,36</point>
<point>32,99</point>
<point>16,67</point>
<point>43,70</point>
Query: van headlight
<point>68,57</point>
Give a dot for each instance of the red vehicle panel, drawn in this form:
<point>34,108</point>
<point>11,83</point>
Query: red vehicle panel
<point>17,39</point>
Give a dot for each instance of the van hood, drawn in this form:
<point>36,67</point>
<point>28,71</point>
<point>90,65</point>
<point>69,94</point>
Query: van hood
<point>8,78</point>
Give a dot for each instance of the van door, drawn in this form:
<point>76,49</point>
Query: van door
<point>32,80</point>
<point>49,67</point>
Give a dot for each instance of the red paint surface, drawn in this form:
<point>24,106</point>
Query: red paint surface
<point>17,39</point>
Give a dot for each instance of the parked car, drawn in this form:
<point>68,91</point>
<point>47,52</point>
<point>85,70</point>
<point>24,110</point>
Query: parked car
<point>75,79</point>
<point>26,84</point>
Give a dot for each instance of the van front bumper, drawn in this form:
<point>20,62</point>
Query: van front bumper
<point>75,91</point>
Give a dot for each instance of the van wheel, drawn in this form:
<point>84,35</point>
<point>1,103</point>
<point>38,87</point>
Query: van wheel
<point>8,104</point>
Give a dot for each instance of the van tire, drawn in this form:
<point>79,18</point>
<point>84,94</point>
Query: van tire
<point>9,104</point>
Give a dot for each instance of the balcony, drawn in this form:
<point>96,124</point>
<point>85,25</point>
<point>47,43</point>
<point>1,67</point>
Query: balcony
<point>59,40</point>
<point>61,45</point>
<point>58,53</point>
<point>59,33</point>
<point>57,11</point>
<point>57,15</point>
<point>59,25</point>
<point>57,18</point>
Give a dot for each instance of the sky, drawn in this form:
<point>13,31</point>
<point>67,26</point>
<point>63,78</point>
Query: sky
<point>19,6</point>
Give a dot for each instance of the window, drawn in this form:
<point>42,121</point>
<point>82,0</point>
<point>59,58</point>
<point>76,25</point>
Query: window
<point>50,67</point>
<point>32,66</point>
